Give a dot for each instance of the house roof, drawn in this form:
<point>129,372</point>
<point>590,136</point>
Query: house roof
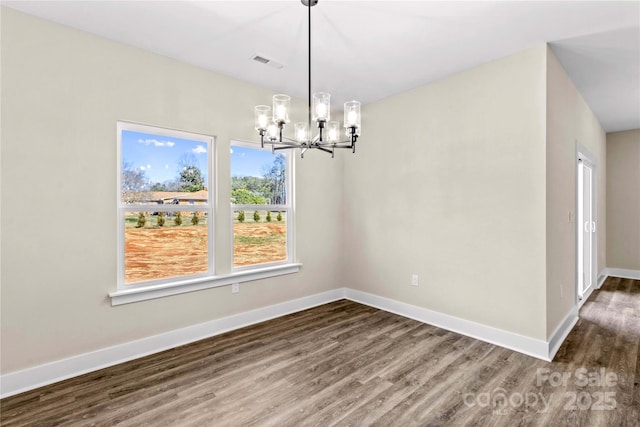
<point>179,195</point>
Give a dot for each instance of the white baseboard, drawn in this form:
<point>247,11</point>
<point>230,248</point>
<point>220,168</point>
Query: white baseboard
<point>562,331</point>
<point>601,278</point>
<point>38,376</point>
<point>520,343</point>
<point>623,272</point>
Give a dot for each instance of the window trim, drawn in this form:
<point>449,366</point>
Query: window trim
<point>122,208</point>
<point>288,208</point>
<point>126,296</point>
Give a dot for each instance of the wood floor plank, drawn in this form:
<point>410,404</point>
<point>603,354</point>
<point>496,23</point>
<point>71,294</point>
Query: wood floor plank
<point>346,364</point>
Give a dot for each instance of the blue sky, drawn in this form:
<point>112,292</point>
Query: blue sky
<point>159,156</point>
<point>249,161</point>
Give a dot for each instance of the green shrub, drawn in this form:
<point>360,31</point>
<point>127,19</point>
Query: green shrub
<point>240,216</point>
<point>242,196</point>
<point>141,220</point>
<point>256,216</point>
<point>195,219</point>
<point>268,216</point>
<point>279,217</point>
<point>177,220</point>
<point>160,219</point>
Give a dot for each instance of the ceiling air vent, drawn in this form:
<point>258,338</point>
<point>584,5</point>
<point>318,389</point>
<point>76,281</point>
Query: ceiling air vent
<point>267,61</point>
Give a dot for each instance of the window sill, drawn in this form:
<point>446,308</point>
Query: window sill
<point>126,296</point>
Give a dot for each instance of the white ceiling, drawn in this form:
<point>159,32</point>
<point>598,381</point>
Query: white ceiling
<point>368,50</point>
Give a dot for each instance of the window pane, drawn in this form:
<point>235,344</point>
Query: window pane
<point>259,237</point>
<point>157,167</point>
<point>160,245</point>
<point>258,177</point>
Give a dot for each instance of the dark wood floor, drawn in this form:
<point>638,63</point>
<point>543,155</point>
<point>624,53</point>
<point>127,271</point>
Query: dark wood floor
<point>348,364</point>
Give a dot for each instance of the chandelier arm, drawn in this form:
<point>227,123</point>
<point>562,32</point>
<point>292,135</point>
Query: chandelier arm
<point>326,150</point>
<point>285,147</point>
<point>346,143</point>
<point>287,141</point>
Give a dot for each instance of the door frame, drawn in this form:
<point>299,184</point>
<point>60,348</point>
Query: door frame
<point>583,153</point>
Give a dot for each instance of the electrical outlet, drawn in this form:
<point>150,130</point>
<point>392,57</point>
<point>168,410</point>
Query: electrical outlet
<point>235,288</point>
<point>414,280</point>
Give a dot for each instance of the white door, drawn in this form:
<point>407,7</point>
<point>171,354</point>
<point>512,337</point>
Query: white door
<point>586,227</point>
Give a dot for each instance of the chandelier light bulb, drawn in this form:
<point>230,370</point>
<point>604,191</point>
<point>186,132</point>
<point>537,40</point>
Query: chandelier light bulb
<point>333,131</point>
<point>281,104</point>
<point>301,132</point>
<point>262,117</point>
<point>321,106</point>
<point>272,131</point>
<point>321,110</point>
<point>352,117</point>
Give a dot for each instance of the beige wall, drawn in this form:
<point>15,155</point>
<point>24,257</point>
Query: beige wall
<point>569,122</point>
<point>466,182</point>
<point>623,200</point>
<point>62,93</point>
<point>449,184</point>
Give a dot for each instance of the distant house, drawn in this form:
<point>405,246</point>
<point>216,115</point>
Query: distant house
<point>179,198</point>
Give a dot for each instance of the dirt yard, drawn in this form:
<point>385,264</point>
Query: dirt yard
<point>157,253</point>
<point>259,243</point>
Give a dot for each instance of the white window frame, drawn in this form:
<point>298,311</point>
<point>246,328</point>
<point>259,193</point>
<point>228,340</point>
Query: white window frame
<point>131,293</point>
<point>206,208</point>
<point>288,208</point>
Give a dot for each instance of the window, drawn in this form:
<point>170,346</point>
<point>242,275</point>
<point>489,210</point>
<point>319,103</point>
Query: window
<point>165,212</point>
<point>261,207</point>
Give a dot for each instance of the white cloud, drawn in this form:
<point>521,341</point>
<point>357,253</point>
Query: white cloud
<point>230,150</point>
<point>142,168</point>
<point>156,143</point>
<point>148,166</point>
<point>199,150</point>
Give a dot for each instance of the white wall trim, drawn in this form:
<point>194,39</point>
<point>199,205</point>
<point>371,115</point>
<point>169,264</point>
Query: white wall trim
<point>38,376</point>
<point>520,343</point>
<point>622,272</point>
<point>126,296</point>
<point>562,331</point>
<point>587,294</point>
<point>601,278</point>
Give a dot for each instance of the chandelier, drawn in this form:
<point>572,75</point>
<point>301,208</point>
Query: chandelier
<point>270,123</point>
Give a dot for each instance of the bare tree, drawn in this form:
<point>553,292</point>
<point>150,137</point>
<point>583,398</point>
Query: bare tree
<point>135,185</point>
<point>275,179</point>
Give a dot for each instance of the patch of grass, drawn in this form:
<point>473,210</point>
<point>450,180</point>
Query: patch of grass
<point>258,240</point>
